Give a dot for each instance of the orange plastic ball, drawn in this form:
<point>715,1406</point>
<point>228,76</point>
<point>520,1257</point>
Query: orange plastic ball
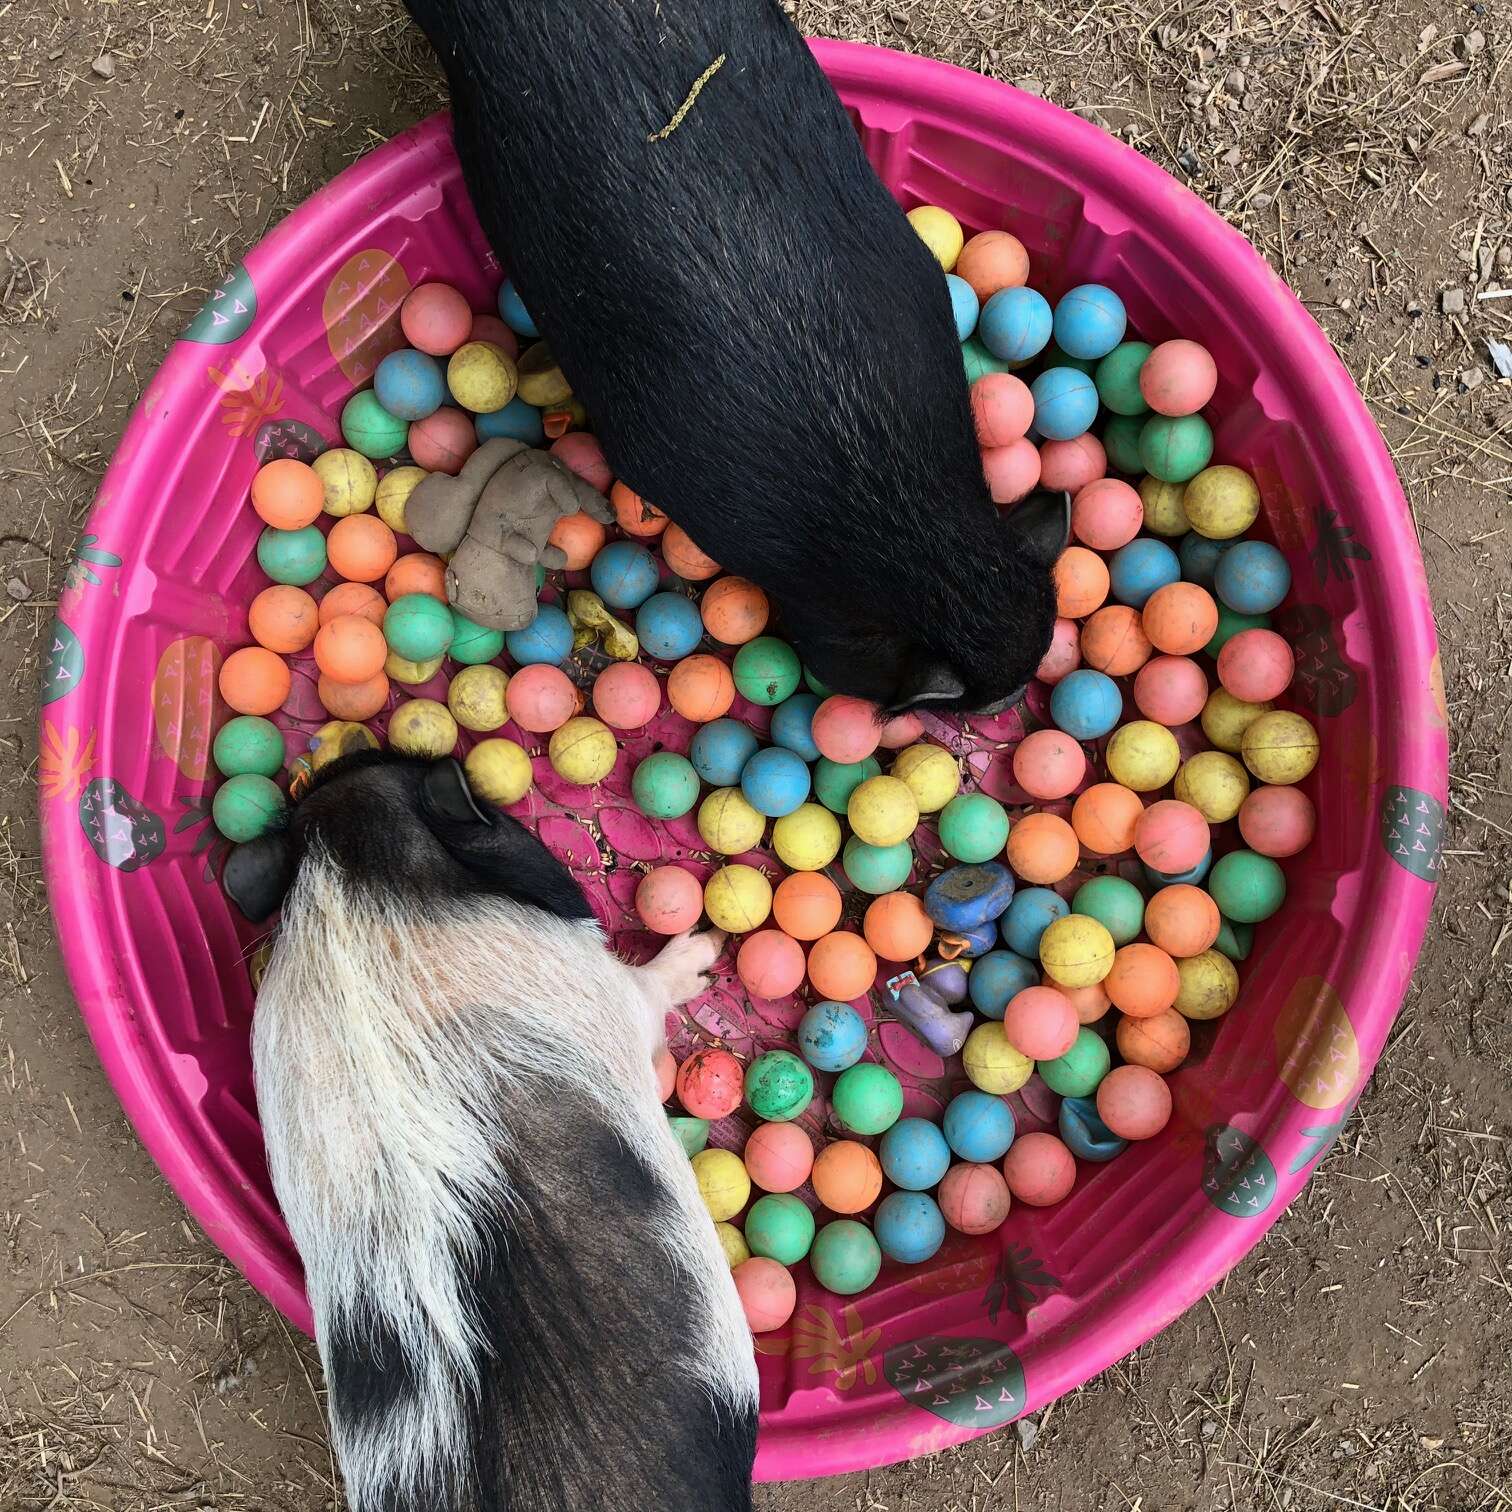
<point>350,649</point>
<point>701,688</point>
<point>541,698</point>
<point>847,729</point>
<point>1069,466</point>
<point>361,548</point>
<point>1104,818</point>
<point>1002,408</point>
<point>418,572</point>
<point>585,456</point>
<point>847,1177</point>
<point>1180,618</point>
<point>1159,1043</point>
<point>1042,849</point>
<point>896,926</point>
<point>633,515</point>
<point>255,680</point>
<point>842,966</point>
<point>1134,1102</point>
<point>580,537</point>
<point>901,730</point>
<point>669,900</point>
<point>1114,641</point>
<point>1172,836</point>
<point>806,905</point>
<point>1091,1003</point>
<point>778,1156</point>
<point>287,494</point>
<point>1040,1022</point>
<point>1106,514</point>
<point>626,695</point>
<point>1081,582</point>
<point>353,598</point>
<point>710,1084</point>
<point>1143,980</point>
<point>1012,471</point>
<point>1182,920</point>
<point>685,558</point>
<point>974,1199</point>
<point>993,260</point>
<point>734,611</point>
<point>770,964</point>
<point>355,701</point>
<point>767,1291</point>
<point>1064,655</point>
<point>1049,764</point>
<point>283,619</point>
<point>1039,1169</point>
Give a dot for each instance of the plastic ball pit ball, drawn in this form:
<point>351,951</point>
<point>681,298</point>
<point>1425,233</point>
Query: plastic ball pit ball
<point>731,1240</point>
<point>583,751</point>
<point>965,307</point>
<point>847,1177</point>
<point>867,1099</point>
<point>1032,912</point>
<point>418,626</point>
<point>1117,378</point>
<point>992,260</point>
<point>722,1182</point>
<point>1142,980</point>
<point>973,827</point>
<point>254,680</point>
<point>1065,403</point>
<point>806,906</point>
<point>883,811</point>
<point>1113,641</point>
<point>995,978</point>
<point>634,515</point>
<point>416,572</point>
<point>248,744</point>
<point>1175,449</point>
<point>1277,821</point>
<point>1089,321</point>
<point>896,927</point>
<point>807,839</point>
<point>779,1227</point>
<point>771,965</point>
<point>1001,407</point>
<point>1120,439</point>
<point>1077,1072</point>
<point>1086,704</point>
<point>1171,836</point>
<point>1279,747</point>
<point>669,900</point>
<point>623,575</point>
<point>1081,582</point>
<point>775,781</point>
<point>792,725</point>
<point>247,806</point>
<point>768,1294</point>
<point>1226,718</point>
<point>353,700</point>
<point>541,699</point>
<point>1076,951</point>
<point>1040,1170</point>
<point>1105,817</point>
<point>1178,378</point>
<point>1209,986</point>
<point>974,1199</point>
<point>845,1258</point>
<point>734,611</point>
<point>719,750</point>
<point>978,1126</point>
<point>1042,848</point>
<point>766,671</point>
<point>940,231</point>
<point>350,649</point>
<point>1134,1102</point>
<point>1252,577</point>
<point>579,537</point>
<point>1221,502</point>
<point>846,730</point>
<point>402,670</point>
<point>1180,618</point>
<point>728,824</point>
<point>779,1156</point>
<point>1070,466</point>
<point>1143,755</point>
<point>1159,1043</point>
<point>296,557</point>
<point>1115,903</point>
<point>931,775</point>
<point>283,619</point>
<point>1048,765</point>
<point>1214,784</point>
<point>831,1036</point>
<point>685,558</point>
<point>1247,887</point>
<point>701,688</point>
<point>481,377</point>
<point>778,1085</point>
<point>710,1084</point>
<point>841,966</point>
<point>422,727</point>
<point>737,898</point>
<point>1256,666</point>
<point>1171,690</point>
<point>1015,324</point>
<point>1139,568</point>
<point>909,1227</point>
<point>914,1154</point>
<point>435,318</point>
<point>1040,1023</point>
<point>287,494</point>
<point>626,696</point>
<point>991,1063</point>
<point>498,770</point>
<point>1182,920</point>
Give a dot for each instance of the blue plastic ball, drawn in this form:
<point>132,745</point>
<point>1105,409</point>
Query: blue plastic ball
<point>517,420</point>
<point>1141,567</point>
<point>914,1154</point>
<point>909,1226</point>
<point>775,781</point>
<point>409,384</point>
<point>1200,557</point>
<point>964,305</point>
<point>1086,704</point>
<point>979,1127</point>
<point>1252,577</point>
<point>623,574</point>
<point>547,638</point>
<point>793,724</point>
<point>831,1036</point>
<point>1032,912</point>
<point>669,626</point>
<point>720,750</point>
<point>1090,321</point>
<point>997,978</point>
<point>1194,875</point>
<point>513,313</point>
<point>1015,324</point>
<point>1065,403</point>
<point>1085,1134</point>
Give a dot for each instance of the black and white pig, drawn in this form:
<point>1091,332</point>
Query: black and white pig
<point>764,346</point>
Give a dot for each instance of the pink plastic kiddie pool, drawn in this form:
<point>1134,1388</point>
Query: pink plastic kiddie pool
<point>992,1327</point>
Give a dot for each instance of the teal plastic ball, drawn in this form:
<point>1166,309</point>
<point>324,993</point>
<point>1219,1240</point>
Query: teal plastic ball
<point>546,640</point>
<point>248,745</point>
<point>1175,448</point>
<point>877,869</point>
<point>778,1086</point>
<point>867,1099</point>
<point>247,806</point>
<point>664,785</point>
<point>974,827</point>
<point>1117,379</point>
<point>766,670</point>
<point>471,644</point>
<point>909,1227</point>
<point>781,1227</point>
<point>835,781</point>
<point>914,1154</point>
<point>297,557</point>
<point>369,428</point>
<point>1080,1069</point>
<point>845,1257</point>
<point>1247,887</point>
<point>1116,904</point>
<point>418,627</point>
<point>831,1036</point>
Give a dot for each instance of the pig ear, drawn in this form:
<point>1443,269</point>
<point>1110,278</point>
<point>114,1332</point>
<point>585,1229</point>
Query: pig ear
<point>931,682</point>
<point>448,796</point>
<point>257,875</point>
<point>1043,523</point>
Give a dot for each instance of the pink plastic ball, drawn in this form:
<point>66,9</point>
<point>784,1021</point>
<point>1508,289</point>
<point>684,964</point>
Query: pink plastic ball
<point>1171,690</point>
<point>901,730</point>
<point>1064,655</point>
<point>1178,378</point>
<point>491,329</point>
<point>1039,1169</point>
<point>847,729</point>
<point>1256,665</point>
<point>541,698</point>
<point>1106,514</point>
<point>1002,407</point>
<point>583,454</point>
<point>666,1073</point>
<point>767,1292</point>
<point>1171,836</point>
<point>1134,1102</point>
<point>1049,764</point>
<point>669,900</point>
<point>435,318</point>
<point>771,964</point>
<point>974,1198</point>
<point>442,442</point>
<point>1040,1022</point>
<point>1278,821</point>
<point>626,695</point>
<point>778,1156</point>
<point>1071,465</point>
<point>1011,471</point>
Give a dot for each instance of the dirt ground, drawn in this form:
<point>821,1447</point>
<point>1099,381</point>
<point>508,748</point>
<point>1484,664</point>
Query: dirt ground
<point>1359,1357</point>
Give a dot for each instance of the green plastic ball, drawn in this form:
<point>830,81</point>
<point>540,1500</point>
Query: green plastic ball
<point>471,644</point>
<point>1247,887</point>
<point>1230,624</point>
<point>877,869</point>
<point>1080,1069</point>
<point>778,1086</point>
<point>296,557</point>
<point>1117,378</point>
<point>867,1099</point>
<point>418,627</point>
<point>780,1227</point>
<point>813,684</point>
<point>248,744</point>
<point>835,781</point>
<point>692,1133</point>
<point>1234,940</point>
<point>664,785</point>
<point>766,670</point>
<point>1175,448</point>
<point>978,361</point>
<point>845,1258</point>
<point>974,827</point>
<point>1055,356</point>
<point>1120,440</point>
<point>1115,903</point>
<point>247,806</point>
<point>369,428</point>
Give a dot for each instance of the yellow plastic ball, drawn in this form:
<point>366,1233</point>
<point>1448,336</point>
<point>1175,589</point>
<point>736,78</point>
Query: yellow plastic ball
<point>1221,502</point>
<point>733,1243</point>
<point>1143,755</point>
<point>940,231</point>
<point>481,376</point>
<point>1280,748</point>
<point>723,1182</point>
<point>583,750</point>
<point>883,811</point>
<point>807,839</point>
<point>1209,985</point>
<point>1164,510</point>
<point>991,1062</point>
<point>411,673</point>
<point>476,698</point>
<point>728,823</point>
<point>422,727</point>
<point>737,899</point>
<point>499,770</point>
<point>931,774</point>
<point>394,489</point>
<point>1076,951</point>
<point>350,481</point>
<point>339,738</point>
<point>1214,783</point>
<point>1226,718</point>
